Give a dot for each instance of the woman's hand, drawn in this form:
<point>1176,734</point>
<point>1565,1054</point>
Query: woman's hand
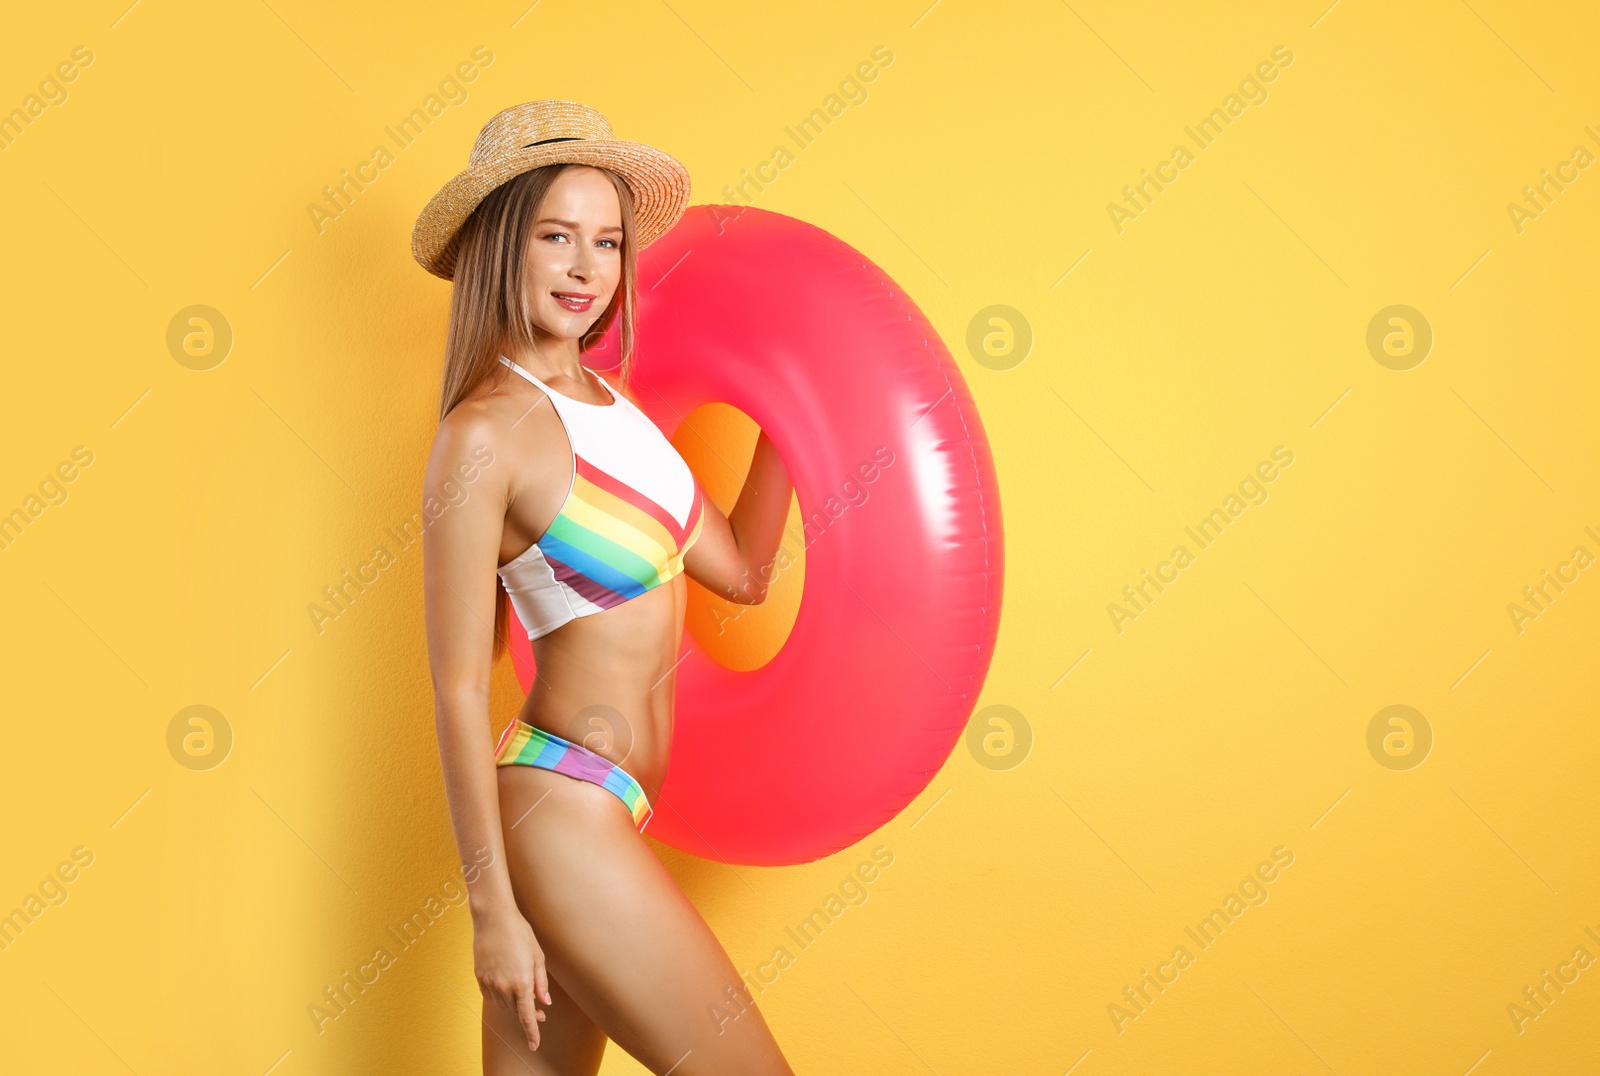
<point>509,964</point>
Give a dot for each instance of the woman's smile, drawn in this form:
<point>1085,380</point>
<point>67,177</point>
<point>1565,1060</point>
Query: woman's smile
<point>575,301</point>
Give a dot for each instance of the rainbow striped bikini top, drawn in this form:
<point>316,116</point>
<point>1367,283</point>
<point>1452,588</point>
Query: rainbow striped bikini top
<point>631,513</point>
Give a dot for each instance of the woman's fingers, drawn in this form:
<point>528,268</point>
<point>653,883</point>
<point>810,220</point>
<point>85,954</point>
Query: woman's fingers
<point>529,1015</point>
<point>541,980</point>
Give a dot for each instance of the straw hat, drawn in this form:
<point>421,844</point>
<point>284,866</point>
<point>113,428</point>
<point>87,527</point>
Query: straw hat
<point>529,136</point>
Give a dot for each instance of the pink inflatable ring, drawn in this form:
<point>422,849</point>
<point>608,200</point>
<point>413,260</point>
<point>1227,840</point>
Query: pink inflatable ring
<point>872,689</point>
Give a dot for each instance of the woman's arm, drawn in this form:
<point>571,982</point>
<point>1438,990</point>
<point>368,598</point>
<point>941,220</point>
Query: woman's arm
<point>466,490</point>
<point>734,554</point>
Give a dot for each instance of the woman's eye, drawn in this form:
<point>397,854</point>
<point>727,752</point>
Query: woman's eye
<point>563,235</point>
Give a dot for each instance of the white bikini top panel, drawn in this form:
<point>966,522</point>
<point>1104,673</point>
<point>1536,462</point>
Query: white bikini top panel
<point>621,440</point>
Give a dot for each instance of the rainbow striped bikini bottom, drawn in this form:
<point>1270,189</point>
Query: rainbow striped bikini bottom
<point>524,745</point>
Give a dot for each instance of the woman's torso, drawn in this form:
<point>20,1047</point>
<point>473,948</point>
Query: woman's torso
<point>601,589</point>
<point>606,682</point>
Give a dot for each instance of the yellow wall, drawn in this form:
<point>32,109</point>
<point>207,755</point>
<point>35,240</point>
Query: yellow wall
<point>1228,719</point>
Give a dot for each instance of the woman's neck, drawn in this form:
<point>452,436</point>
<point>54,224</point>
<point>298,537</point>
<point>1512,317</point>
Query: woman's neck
<point>549,360</point>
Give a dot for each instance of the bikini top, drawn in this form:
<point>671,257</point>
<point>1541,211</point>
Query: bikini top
<point>631,513</point>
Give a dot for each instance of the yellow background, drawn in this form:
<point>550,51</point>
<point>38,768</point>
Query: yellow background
<point>1228,719</point>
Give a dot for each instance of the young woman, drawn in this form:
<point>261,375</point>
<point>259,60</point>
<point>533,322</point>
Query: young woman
<point>591,520</point>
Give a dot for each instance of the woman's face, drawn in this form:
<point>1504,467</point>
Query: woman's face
<point>574,255</point>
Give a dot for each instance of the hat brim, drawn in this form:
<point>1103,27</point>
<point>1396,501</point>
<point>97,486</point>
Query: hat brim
<point>659,182</point>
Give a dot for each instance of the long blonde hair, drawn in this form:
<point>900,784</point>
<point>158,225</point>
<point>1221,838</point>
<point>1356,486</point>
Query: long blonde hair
<point>489,308</point>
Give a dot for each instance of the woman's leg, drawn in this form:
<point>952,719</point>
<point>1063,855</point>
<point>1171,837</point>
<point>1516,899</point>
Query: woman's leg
<point>624,941</point>
<point>569,1042</point>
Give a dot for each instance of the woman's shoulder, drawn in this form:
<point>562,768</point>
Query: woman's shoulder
<point>490,427</point>
<point>475,420</point>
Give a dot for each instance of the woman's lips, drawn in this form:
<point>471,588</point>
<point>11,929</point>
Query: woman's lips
<point>577,302</point>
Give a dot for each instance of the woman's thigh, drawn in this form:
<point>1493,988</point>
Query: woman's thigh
<point>625,942</point>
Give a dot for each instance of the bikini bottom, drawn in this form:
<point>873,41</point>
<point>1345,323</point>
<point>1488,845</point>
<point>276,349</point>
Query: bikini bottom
<point>523,744</point>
